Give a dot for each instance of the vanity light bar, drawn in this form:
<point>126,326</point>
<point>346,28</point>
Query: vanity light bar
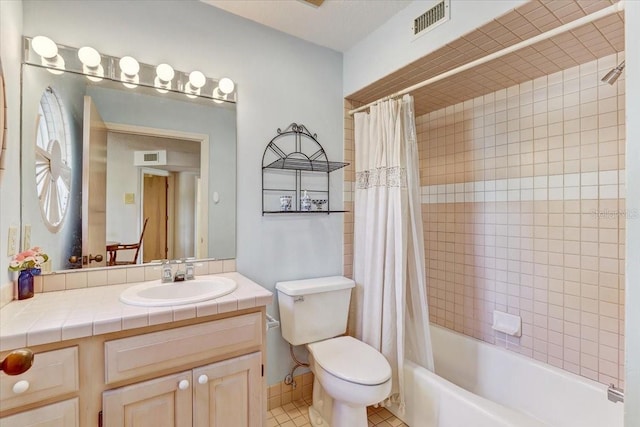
<point>43,52</point>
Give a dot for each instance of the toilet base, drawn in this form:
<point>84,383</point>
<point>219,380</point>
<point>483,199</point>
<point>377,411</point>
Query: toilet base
<point>342,416</point>
<point>348,416</point>
<point>328,412</point>
<point>316,419</point>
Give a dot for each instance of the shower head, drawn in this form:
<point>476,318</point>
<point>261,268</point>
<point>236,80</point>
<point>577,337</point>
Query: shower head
<point>613,75</point>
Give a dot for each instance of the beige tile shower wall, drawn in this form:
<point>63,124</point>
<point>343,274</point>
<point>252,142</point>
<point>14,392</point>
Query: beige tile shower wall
<point>524,212</point>
<point>349,181</point>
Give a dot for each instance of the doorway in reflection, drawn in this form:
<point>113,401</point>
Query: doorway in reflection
<point>154,178</point>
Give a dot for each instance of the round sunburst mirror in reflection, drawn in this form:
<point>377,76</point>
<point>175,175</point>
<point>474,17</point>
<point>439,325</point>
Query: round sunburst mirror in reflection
<point>52,160</point>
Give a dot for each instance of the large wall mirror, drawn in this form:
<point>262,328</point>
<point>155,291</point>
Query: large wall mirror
<point>104,164</point>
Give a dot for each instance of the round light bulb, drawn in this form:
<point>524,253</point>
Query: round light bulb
<point>129,82</point>
<point>94,76</point>
<point>197,79</point>
<point>165,72</point>
<point>89,56</point>
<point>218,96</point>
<point>161,87</point>
<point>129,66</point>
<point>226,85</point>
<point>54,65</point>
<point>44,46</point>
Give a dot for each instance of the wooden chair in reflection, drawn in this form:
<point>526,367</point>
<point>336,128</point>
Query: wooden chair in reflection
<point>112,250</point>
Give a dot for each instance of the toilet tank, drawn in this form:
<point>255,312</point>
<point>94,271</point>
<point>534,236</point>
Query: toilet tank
<point>314,309</point>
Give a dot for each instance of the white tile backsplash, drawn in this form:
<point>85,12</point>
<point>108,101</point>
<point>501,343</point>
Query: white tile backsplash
<point>609,177</point>
<point>78,279</point>
<point>573,186</point>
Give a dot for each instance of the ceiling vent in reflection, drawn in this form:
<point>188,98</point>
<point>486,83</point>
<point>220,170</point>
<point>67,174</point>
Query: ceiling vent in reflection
<point>150,158</point>
<point>437,15</point>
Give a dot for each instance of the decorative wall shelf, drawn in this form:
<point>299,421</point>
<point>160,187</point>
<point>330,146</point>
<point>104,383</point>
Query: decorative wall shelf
<point>294,162</point>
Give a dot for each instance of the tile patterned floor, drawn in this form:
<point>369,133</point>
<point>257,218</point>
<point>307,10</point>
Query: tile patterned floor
<point>296,414</point>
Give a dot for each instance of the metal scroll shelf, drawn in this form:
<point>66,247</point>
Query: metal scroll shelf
<point>300,161</point>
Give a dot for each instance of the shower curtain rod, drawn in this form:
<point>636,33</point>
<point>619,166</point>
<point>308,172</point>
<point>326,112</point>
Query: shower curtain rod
<point>614,8</point>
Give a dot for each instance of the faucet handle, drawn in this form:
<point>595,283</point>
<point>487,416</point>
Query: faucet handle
<point>189,268</point>
<point>166,271</point>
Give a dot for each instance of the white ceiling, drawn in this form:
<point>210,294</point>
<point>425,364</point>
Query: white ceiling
<point>336,24</point>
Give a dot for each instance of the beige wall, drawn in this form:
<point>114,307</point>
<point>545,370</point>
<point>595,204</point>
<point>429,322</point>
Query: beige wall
<point>524,212</point>
<point>10,58</point>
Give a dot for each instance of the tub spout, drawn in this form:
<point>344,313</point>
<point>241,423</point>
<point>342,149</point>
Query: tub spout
<point>615,394</point>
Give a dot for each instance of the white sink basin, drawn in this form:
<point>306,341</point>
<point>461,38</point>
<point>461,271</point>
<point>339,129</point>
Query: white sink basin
<point>157,294</point>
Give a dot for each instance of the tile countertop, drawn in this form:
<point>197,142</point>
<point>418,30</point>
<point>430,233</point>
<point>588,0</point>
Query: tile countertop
<point>63,315</point>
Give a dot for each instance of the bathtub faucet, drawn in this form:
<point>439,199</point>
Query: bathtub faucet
<point>615,394</point>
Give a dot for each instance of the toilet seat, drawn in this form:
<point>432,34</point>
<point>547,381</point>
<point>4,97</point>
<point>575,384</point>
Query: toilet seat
<point>351,360</point>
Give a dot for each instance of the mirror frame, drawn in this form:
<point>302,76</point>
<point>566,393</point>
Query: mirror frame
<point>3,120</point>
<point>32,59</point>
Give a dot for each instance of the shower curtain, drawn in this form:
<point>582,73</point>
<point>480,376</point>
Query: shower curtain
<point>389,258</point>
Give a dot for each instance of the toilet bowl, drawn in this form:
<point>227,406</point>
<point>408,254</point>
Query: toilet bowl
<point>349,375</point>
<point>352,375</point>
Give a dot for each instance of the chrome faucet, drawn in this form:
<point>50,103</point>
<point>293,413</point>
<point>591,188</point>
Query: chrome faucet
<point>189,268</point>
<point>615,394</point>
<point>167,275</point>
<point>181,274</point>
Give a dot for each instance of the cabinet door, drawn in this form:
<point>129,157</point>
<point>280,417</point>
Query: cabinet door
<point>54,373</point>
<point>58,414</point>
<point>162,402</point>
<point>229,393</point>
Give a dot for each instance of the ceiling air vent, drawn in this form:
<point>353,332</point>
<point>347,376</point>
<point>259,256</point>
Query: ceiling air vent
<point>438,14</point>
<point>150,158</point>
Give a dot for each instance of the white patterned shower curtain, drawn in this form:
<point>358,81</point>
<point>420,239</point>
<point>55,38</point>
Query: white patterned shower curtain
<point>389,257</point>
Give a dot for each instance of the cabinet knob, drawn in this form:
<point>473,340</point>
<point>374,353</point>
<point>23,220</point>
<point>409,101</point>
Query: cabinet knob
<point>21,386</point>
<point>203,379</point>
<point>183,385</point>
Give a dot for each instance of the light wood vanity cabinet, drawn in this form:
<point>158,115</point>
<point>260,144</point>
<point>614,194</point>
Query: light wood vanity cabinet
<point>54,374</point>
<point>61,414</point>
<point>198,372</point>
<point>229,393</point>
<point>226,393</point>
<point>222,394</point>
<point>165,401</point>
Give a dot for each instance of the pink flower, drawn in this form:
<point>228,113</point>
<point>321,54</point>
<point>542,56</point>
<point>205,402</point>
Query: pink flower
<point>31,258</point>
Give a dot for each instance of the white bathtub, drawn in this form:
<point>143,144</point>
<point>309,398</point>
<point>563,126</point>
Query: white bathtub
<point>478,385</point>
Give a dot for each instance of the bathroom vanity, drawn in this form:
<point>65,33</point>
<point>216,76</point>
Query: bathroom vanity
<point>99,361</point>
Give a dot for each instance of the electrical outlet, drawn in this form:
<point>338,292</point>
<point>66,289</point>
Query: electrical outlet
<point>12,241</point>
<point>26,239</point>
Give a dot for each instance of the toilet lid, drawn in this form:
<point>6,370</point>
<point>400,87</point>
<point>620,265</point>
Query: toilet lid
<point>351,360</point>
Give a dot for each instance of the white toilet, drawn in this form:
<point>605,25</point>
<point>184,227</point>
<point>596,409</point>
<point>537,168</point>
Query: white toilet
<point>349,375</point>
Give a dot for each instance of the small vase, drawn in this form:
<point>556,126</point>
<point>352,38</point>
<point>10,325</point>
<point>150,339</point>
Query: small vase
<point>25,283</point>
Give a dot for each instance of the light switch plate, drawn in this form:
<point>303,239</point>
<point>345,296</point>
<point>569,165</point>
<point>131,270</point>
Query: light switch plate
<point>26,239</point>
<point>12,241</point>
<point>129,198</point>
